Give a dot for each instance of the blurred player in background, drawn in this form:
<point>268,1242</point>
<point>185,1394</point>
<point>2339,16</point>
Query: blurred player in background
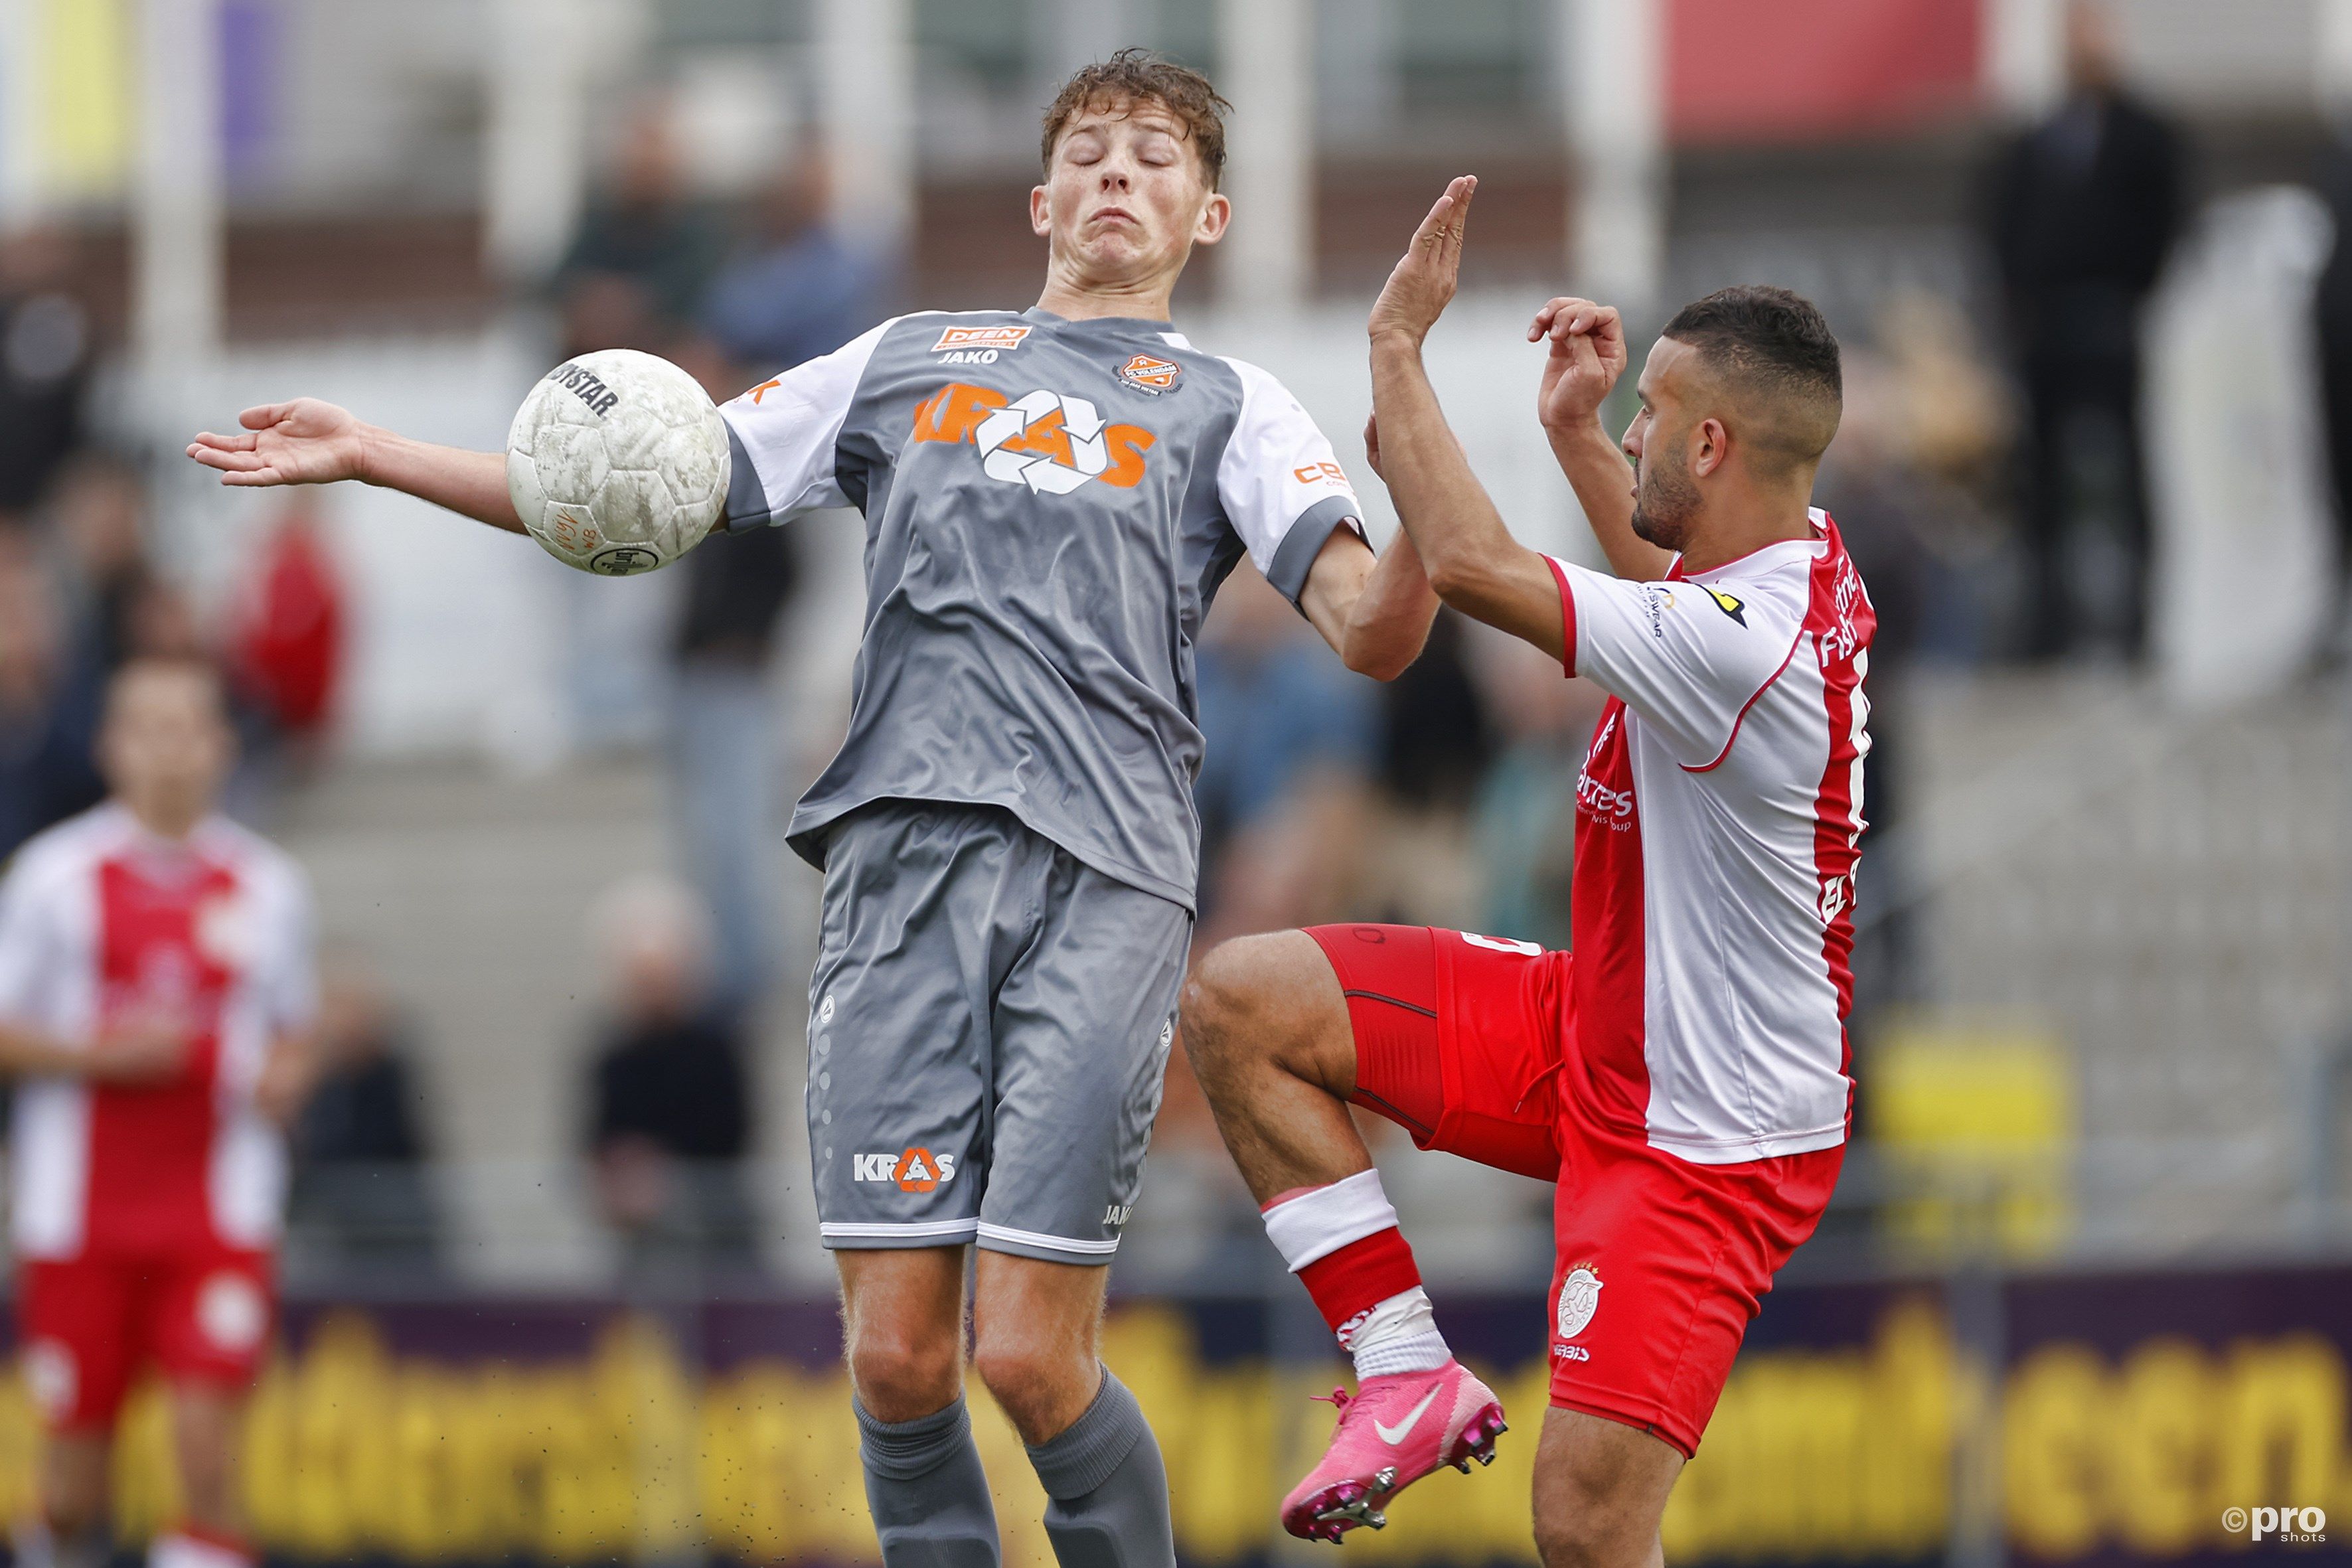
<point>1684,1077</point>
<point>1009,838</point>
<point>156,999</point>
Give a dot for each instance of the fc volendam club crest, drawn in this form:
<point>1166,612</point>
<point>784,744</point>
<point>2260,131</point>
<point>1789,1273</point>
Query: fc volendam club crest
<point>1149,373</point>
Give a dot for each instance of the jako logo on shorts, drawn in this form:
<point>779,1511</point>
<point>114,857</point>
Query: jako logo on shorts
<point>916,1171</point>
<point>1049,442</point>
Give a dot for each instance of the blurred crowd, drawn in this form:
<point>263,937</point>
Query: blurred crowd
<point>664,1111</point>
<point>1991,480</point>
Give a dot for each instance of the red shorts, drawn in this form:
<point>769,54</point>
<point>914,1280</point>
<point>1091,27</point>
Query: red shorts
<point>1660,1262</point>
<point>89,1326</point>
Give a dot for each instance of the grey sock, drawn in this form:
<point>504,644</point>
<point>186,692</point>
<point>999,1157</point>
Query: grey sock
<point>1107,1486</point>
<point>926,1491</point>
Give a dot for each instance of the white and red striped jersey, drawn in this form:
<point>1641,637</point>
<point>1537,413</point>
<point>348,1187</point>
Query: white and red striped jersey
<point>1717,819</point>
<point>101,922</point>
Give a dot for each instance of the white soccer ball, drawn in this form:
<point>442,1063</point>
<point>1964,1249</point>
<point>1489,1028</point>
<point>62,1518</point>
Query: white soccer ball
<point>617,462</point>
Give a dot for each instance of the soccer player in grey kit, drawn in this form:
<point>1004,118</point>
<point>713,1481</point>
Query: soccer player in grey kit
<point>1008,834</point>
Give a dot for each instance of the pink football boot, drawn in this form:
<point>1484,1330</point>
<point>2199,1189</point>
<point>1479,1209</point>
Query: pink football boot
<point>1396,1429</point>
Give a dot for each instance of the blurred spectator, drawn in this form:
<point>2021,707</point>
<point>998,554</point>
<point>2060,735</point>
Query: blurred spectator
<point>720,744</point>
<point>45,356</point>
<point>798,290</point>
<point>1882,504</point>
<point>289,641</point>
<point>634,275</point>
<point>1924,397</point>
<point>1437,742</point>
<point>107,606</point>
<point>98,514</point>
<point>361,1194</point>
<point>1435,738</point>
<point>49,707</point>
<point>2333,307</point>
<point>1290,737</point>
<point>2083,208</point>
<point>1523,817</point>
<point>669,1114</point>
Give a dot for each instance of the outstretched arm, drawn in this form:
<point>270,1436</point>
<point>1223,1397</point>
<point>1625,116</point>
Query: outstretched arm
<point>1587,356</point>
<point>308,442</point>
<point>140,1053</point>
<point>1472,559</point>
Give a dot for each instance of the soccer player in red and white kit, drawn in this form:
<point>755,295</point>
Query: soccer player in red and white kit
<point>1682,1076</point>
<point>156,998</point>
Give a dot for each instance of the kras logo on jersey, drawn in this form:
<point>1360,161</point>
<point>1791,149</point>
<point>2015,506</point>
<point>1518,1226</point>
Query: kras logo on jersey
<point>1046,440</point>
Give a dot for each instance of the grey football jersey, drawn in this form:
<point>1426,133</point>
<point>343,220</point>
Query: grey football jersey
<point>1049,507</point>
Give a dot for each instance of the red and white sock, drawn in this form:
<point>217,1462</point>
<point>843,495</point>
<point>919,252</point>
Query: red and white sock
<point>193,1546</point>
<point>1343,1243</point>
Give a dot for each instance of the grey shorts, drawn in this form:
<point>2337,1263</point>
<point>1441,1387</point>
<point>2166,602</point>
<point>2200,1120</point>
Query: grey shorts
<point>988,1027</point>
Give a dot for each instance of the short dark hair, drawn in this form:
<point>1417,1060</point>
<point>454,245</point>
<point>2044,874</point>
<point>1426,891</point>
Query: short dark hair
<point>1776,345</point>
<point>1138,76</point>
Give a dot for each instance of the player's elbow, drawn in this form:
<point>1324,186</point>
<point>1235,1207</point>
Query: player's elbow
<point>1459,577</point>
<point>1383,658</point>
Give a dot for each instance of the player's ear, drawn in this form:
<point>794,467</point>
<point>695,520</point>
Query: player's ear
<point>1215,214</point>
<point>1710,447</point>
<point>1041,212</point>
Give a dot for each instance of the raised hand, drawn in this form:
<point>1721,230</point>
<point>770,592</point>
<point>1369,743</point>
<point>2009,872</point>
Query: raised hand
<point>1588,356</point>
<point>1418,291</point>
<point>305,442</point>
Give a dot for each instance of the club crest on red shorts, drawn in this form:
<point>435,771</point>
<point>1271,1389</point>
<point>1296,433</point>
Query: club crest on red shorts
<point>1580,1298</point>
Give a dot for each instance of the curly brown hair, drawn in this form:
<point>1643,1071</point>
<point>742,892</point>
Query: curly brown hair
<point>1138,76</point>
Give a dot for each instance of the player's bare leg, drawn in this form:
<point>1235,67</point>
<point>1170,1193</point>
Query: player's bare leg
<point>207,1430</point>
<point>1600,1490</point>
<point>902,1316</point>
<point>1036,1332</point>
<point>207,1436</point>
<point>1037,1327</point>
<point>1267,1030</point>
<point>1268,1033</point>
<point>71,1529</point>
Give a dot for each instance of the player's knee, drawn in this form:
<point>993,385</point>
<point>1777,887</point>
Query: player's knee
<point>900,1373</point>
<point>207,1495</point>
<point>1570,1535</point>
<point>1228,1007</point>
<point>1033,1376</point>
<point>73,1485</point>
<point>1568,1542</point>
<point>71,1511</point>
